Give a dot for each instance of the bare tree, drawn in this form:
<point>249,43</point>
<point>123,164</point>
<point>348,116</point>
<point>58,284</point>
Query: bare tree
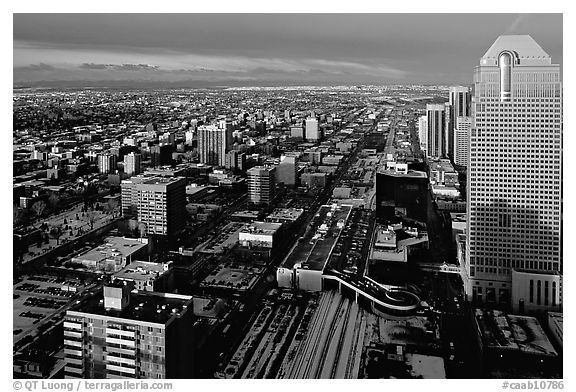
<point>54,201</point>
<point>112,205</point>
<point>56,232</point>
<point>38,208</point>
<point>18,215</point>
<point>91,218</point>
<point>142,229</point>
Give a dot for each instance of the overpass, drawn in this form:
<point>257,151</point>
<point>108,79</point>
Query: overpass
<point>395,301</point>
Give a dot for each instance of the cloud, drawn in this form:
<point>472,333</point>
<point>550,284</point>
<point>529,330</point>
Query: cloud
<point>36,67</point>
<point>93,66</point>
<point>118,67</point>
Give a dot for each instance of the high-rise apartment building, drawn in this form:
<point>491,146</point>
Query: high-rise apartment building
<point>459,101</point>
<point>312,131</point>
<point>514,232</point>
<point>132,163</point>
<point>125,334</point>
<point>214,142</point>
<point>235,160</point>
<point>261,184</point>
<point>158,202</point>
<point>462,140</point>
<point>423,132</point>
<point>161,155</point>
<point>106,163</point>
<point>287,170</point>
<point>436,120</point>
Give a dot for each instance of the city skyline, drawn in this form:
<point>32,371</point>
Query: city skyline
<point>380,197</point>
<point>196,50</point>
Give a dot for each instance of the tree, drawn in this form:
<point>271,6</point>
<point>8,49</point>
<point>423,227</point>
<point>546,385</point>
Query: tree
<point>91,218</point>
<point>53,201</point>
<point>18,216</point>
<point>38,208</point>
<point>56,232</point>
<point>112,205</point>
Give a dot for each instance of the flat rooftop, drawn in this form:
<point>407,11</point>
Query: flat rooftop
<point>149,307</point>
<point>410,173</point>
<point>288,214</point>
<point>140,270</point>
<point>233,276</point>
<point>307,244</point>
<point>513,332</point>
<point>113,247</point>
<point>558,319</point>
<point>268,228</point>
<point>320,252</point>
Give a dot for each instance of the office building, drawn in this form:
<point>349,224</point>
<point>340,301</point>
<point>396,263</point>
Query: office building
<point>261,187</point>
<point>462,140</point>
<point>459,102</point>
<point>515,177</point>
<point>235,160</point>
<point>132,163</point>
<point>158,202</point>
<point>312,131</point>
<point>402,194</point>
<point>161,155</point>
<point>214,142</point>
<point>287,171</point>
<point>106,163</point>
<point>129,334</point>
<point>423,132</point>
<point>436,121</point>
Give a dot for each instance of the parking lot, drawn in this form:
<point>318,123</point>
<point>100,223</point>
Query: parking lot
<point>37,297</point>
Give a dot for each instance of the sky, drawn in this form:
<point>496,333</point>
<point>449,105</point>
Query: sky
<point>264,49</point>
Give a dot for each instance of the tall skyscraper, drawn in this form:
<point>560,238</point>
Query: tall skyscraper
<point>436,114</point>
<point>423,133</point>
<point>214,142</point>
<point>515,177</point>
<point>106,163</point>
<point>261,184</point>
<point>312,132</point>
<point>462,140</point>
<point>459,102</point>
<point>126,334</point>
<point>132,163</point>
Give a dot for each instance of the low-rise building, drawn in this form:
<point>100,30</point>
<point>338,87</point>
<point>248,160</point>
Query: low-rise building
<point>113,255</point>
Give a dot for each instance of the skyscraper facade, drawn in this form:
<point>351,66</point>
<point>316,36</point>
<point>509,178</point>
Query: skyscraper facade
<point>106,163</point>
<point>261,184</point>
<point>459,102</point>
<point>132,163</point>
<point>514,193</point>
<point>462,140</point>
<point>287,171</point>
<point>156,201</point>
<point>436,120</point>
<point>423,132</point>
<point>312,132</point>
<point>213,143</point>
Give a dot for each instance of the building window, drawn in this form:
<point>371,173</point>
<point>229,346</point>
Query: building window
<point>531,291</point>
<point>539,293</point>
